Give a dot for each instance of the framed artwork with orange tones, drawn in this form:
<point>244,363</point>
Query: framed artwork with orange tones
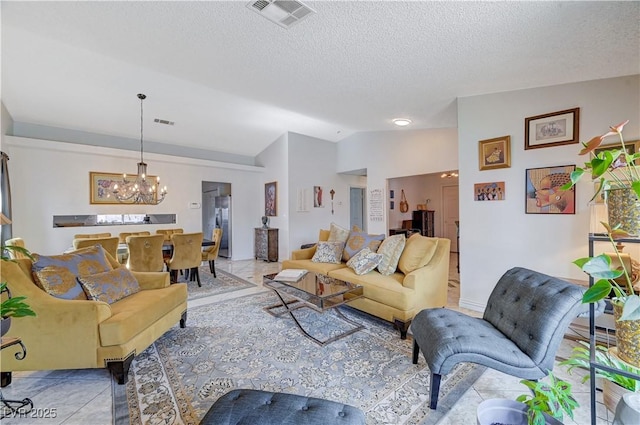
<point>543,190</point>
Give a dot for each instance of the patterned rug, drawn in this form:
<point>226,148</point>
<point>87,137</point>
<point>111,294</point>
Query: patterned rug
<point>237,344</point>
<point>224,282</point>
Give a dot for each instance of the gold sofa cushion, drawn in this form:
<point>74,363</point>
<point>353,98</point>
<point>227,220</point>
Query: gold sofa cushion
<point>322,268</point>
<point>383,289</point>
<point>418,251</point>
<point>137,312</point>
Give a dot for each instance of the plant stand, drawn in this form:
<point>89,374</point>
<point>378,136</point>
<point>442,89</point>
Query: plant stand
<point>11,407</point>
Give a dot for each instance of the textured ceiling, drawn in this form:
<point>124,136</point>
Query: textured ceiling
<point>233,81</point>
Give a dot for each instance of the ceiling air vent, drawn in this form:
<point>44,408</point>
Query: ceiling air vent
<point>167,122</point>
<point>285,13</point>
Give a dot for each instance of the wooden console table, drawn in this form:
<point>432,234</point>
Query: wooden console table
<point>266,244</point>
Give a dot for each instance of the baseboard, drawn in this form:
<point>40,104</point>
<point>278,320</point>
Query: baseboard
<point>471,305</point>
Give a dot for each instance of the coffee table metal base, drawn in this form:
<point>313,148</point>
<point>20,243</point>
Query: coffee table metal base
<point>292,305</point>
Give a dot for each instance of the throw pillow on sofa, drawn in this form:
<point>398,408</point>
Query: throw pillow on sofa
<point>358,241</point>
<point>364,261</point>
<point>338,234</point>
<point>110,286</point>
<point>418,251</point>
<point>391,250</point>
<point>56,274</point>
<point>328,252</point>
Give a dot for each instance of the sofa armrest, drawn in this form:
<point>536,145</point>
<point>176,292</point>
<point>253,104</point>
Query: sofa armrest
<point>303,254</point>
<point>430,282</point>
<point>152,280</point>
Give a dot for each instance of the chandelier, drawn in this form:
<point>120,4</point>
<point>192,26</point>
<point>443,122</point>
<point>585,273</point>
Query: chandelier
<point>139,190</point>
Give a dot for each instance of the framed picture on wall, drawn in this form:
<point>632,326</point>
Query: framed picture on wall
<point>271,199</point>
<point>553,129</point>
<point>101,185</point>
<point>493,191</point>
<point>494,153</point>
<point>543,193</point>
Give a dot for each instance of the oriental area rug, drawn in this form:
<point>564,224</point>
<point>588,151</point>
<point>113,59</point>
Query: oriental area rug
<point>236,344</point>
<point>223,282</point>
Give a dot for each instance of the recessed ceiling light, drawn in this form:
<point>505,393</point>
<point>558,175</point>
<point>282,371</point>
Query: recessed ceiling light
<point>401,122</point>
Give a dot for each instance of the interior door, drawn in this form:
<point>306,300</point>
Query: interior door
<point>450,214</point>
<point>356,207</point>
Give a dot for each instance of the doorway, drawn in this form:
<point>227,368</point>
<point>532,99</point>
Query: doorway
<point>450,215</point>
<point>216,213</point>
<point>356,208</point>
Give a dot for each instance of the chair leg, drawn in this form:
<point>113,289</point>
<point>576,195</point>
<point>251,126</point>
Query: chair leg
<point>416,351</point>
<point>195,272</point>
<point>213,268</point>
<point>174,276</point>
<point>434,391</point>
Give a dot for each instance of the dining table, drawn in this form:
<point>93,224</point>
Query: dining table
<point>167,247</point>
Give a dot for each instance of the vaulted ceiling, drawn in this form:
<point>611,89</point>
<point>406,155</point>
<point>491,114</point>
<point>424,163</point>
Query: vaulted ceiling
<point>232,81</point>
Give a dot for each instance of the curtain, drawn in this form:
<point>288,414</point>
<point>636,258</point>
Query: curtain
<point>5,195</point>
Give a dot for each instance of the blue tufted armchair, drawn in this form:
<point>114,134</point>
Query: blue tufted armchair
<point>522,327</point>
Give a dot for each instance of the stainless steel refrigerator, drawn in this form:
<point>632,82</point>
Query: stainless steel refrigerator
<point>222,220</point>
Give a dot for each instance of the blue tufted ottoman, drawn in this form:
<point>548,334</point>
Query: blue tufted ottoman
<point>253,407</point>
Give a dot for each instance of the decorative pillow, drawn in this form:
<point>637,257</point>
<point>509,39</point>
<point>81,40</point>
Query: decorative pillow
<point>338,234</point>
<point>358,241</point>
<point>391,249</point>
<point>364,261</point>
<point>417,252</point>
<point>57,274</point>
<point>328,252</point>
<point>110,286</point>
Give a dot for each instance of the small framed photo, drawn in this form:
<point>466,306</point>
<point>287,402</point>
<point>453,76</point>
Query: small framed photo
<point>391,194</point>
<point>494,153</point>
<point>392,205</point>
<point>271,199</point>
<point>554,129</point>
<point>493,191</point>
<point>632,147</point>
<point>101,186</point>
<point>543,193</point>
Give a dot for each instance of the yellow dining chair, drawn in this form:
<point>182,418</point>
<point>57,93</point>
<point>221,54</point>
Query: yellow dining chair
<point>187,255</point>
<point>145,253</point>
<point>91,235</point>
<point>210,253</point>
<point>123,235</point>
<point>15,255</point>
<point>168,232</point>
<point>108,244</point>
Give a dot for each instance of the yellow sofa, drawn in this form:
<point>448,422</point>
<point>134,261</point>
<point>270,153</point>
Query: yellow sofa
<point>79,334</point>
<point>396,298</point>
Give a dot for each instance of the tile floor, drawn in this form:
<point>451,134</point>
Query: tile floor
<point>84,396</point>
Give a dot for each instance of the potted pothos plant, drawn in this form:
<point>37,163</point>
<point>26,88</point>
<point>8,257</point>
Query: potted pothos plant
<point>615,169</point>
<point>12,306</point>
<point>546,404</point>
<point>620,384</point>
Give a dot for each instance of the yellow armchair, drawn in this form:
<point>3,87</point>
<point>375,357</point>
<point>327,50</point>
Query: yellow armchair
<point>79,334</point>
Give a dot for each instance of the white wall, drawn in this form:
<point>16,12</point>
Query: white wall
<point>399,153</point>
<point>52,178</point>
<point>6,122</point>
<point>275,161</point>
<point>312,163</point>
<point>495,236</point>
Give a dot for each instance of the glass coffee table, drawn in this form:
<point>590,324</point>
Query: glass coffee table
<point>318,292</point>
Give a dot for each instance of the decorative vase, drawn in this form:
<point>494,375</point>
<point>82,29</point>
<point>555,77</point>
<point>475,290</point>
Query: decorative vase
<point>5,324</point>
<point>627,337</point>
<point>504,411</point>
<point>623,208</point>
